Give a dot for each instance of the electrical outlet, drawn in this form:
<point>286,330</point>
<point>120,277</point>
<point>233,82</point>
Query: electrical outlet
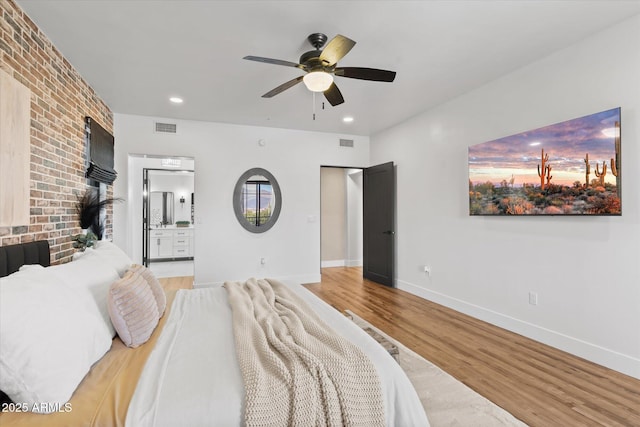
<point>263,261</point>
<point>427,270</point>
<point>533,298</point>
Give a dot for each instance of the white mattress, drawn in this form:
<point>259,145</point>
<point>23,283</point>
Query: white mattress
<point>192,377</point>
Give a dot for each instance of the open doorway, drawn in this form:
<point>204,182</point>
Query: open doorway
<point>357,222</point>
<point>178,204</point>
<point>341,217</point>
<point>168,221</point>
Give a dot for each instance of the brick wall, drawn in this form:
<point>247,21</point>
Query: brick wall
<point>60,99</point>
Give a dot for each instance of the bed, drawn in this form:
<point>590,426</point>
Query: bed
<point>187,372</point>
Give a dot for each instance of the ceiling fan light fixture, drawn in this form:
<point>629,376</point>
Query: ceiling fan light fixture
<point>320,67</point>
<point>317,81</point>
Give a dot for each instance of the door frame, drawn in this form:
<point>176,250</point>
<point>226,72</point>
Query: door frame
<point>394,222</point>
<point>146,209</point>
<point>146,238</point>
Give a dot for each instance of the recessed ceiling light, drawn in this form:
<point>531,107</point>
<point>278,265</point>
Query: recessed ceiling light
<point>176,100</point>
<point>347,119</point>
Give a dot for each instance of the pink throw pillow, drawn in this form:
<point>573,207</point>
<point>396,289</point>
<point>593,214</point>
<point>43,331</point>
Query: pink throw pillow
<point>133,309</point>
<point>156,287</point>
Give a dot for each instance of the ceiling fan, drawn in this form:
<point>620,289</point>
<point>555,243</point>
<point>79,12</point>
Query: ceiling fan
<point>320,67</point>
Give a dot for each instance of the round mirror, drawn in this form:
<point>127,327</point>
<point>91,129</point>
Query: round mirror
<point>257,200</point>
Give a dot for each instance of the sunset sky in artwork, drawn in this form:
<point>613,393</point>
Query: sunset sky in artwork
<point>567,143</point>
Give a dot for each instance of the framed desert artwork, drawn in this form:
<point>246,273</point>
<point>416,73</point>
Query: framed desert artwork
<point>569,168</point>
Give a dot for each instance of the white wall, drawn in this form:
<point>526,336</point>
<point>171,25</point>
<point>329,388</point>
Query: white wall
<point>222,152</point>
<point>333,221</point>
<point>586,270</point>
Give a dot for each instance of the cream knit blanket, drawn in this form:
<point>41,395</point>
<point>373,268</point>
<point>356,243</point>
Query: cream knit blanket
<point>297,371</point>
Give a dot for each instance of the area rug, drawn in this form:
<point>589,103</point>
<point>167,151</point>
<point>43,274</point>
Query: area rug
<point>447,401</point>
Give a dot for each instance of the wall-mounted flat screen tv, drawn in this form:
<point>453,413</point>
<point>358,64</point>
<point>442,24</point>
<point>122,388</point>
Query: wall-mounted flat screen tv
<point>569,168</point>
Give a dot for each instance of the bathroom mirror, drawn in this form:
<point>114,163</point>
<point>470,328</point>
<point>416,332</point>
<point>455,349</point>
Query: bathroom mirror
<point>257,200</point>
<point>161,208</point>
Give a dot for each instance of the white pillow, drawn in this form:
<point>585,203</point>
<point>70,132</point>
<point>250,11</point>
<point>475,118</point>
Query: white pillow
<point>133,309</point>
<point>90,276</point>
<point>79,254</point>
<point>109,253</point>
<point>30,266</point>
<point>48,339</point>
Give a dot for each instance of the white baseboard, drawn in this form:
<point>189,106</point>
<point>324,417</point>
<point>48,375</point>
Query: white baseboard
<point>342,263</point>
<point>611,359</point>
<point>303,278</point>
<point>333,263</point>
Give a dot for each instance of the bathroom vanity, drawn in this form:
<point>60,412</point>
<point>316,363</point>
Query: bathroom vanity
<point>170,242</point>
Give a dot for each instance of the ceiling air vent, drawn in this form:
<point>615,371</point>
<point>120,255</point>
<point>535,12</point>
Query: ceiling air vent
<point>166,127</point>
<point>346,142</point>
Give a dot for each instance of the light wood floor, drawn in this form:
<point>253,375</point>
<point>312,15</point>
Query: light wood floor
<point>538,384</point>
<point>174,283</point>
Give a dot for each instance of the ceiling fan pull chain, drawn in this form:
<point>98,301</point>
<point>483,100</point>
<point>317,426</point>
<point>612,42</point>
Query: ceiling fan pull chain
<point>323,105</point>
<point>314,105</point>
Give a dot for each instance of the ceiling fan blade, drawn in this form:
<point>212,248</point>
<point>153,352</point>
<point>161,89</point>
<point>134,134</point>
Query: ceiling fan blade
<point>366,74</point>
<point>336,49</point>
<point>274,61</point>
<point>333,95</point>
<point>282,87</point>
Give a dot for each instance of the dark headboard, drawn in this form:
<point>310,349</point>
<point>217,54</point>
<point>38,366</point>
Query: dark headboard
<point>15,256</point>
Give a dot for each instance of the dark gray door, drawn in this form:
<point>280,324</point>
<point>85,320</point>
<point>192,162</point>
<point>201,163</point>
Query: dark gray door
<point>378,223</point>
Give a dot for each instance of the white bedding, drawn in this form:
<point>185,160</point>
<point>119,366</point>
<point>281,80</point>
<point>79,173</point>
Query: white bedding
<point>192,377</point>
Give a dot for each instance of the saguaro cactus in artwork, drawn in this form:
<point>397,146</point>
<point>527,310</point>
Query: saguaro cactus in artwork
<point>546,170</point>
<point>615,162</point>
<point>602,174</point>
<point>587,171</point>
<point>549,176</point>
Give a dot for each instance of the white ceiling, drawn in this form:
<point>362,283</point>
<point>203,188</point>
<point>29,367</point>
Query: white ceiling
<point>136,54</point>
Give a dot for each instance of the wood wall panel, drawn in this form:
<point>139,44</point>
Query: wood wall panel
<point>15,110</point>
